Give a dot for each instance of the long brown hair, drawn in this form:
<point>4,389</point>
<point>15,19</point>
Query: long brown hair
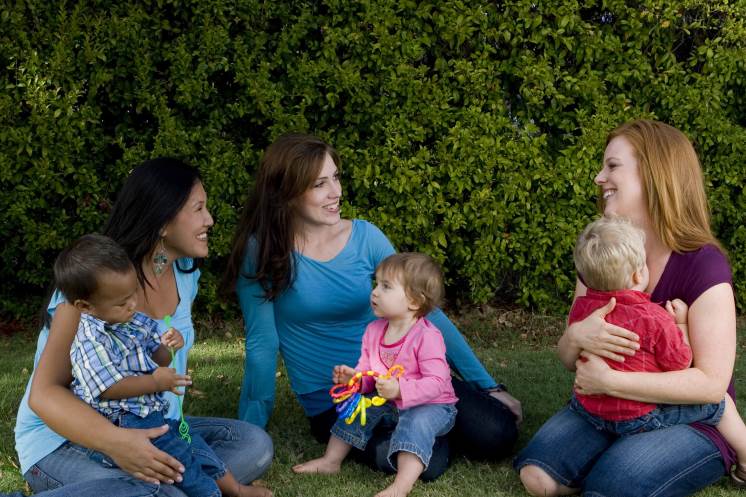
<point>288,169</point>
<point>672,183</point>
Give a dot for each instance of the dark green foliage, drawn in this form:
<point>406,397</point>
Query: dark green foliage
<point>468,130</point>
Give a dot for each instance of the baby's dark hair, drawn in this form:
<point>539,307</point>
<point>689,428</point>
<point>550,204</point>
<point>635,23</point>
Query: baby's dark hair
<point>78,267</point>
<point>420,276</point>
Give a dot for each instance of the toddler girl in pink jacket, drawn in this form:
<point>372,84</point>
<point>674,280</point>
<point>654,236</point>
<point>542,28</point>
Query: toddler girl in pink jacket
<point>421,401</point>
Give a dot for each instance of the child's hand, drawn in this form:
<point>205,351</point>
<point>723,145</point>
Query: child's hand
<point>173,339</point>
<point>388,388</point>
<point>678,310</point>
<point>167,380</point>
<point>342,374</point>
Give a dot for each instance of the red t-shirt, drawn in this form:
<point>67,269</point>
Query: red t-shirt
<point>662,346</point>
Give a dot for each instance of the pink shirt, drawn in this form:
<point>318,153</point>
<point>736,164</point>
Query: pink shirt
<point>426,378</point>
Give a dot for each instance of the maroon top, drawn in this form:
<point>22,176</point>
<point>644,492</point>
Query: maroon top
<point>687,276</point>
<point>662,346</point>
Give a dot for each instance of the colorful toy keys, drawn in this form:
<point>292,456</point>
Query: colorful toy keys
<point>351,402</point>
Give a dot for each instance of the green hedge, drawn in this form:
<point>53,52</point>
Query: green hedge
<point>468,130</point>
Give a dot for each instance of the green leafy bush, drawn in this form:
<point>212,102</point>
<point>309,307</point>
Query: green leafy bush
<point>468,130</point>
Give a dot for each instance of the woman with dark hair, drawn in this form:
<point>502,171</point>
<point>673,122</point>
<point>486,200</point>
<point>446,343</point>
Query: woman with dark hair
<point>303,276</point>
<point>161,220</point>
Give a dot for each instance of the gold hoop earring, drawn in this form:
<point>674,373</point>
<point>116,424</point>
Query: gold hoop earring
<point>160,260</point>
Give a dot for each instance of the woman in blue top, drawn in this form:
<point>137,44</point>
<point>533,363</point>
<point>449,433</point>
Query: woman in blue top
<point>303,277</point>
<point>161,220</point>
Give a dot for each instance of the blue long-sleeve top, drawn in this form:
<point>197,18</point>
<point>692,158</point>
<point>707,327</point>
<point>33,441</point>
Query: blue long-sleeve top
<point>319,321</point>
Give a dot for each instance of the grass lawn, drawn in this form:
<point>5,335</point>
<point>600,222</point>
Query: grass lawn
<point>517,348</point>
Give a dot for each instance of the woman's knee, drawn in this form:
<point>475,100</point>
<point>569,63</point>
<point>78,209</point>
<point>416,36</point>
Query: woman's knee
<point>263,452</point>
<point>245,449</point>
<point>537,482</point>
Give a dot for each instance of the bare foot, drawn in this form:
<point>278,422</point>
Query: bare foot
<point>320,465</point>
<point>253,491</point>
<point>394,490</point>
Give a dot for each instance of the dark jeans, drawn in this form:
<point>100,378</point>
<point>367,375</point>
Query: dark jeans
<point>485,429</point>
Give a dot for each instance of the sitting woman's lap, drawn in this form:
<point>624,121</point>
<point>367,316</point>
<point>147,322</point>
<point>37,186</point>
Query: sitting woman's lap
<point>485,428</point>
<point>675,461</point>
<point>244,448</point>
<point>69,470</point>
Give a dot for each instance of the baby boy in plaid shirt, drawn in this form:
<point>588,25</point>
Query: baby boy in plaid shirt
<point>120,359</point>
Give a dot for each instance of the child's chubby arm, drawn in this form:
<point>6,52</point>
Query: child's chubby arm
<point>162,379</point>
<point>172,339</point>
<point>678,309</point>
<point>672,349</point>
<point>388,388</point>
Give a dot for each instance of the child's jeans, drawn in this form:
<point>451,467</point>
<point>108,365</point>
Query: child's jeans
<point>201,466</point>
<point>663,416</point>
<point>415,432</point>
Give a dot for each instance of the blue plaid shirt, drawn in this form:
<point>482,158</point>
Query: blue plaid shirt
<point>103,354</point>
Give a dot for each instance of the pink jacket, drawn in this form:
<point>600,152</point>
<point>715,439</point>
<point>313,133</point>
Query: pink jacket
<point>426,378</point>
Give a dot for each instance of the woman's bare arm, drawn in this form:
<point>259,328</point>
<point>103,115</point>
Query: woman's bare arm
<point>593,334</point>
<point>63,412</point>
<point>712,332</point>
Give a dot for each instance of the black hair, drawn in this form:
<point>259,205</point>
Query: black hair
<point>152,196</point>
<point>78,267</point>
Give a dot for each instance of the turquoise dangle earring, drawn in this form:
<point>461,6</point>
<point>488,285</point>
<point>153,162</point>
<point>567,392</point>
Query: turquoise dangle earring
<point>160,259</point>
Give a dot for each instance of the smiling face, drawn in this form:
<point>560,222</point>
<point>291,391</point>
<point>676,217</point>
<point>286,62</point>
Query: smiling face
<point>621,184</point>
<point>115,299</point>
<point>186,234</point>
<point>389,300</point>
<point>319,205</point>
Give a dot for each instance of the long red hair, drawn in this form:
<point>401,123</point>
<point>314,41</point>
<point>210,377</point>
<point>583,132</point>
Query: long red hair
<point>672,182</point>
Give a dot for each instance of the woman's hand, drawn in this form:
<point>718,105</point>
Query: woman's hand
<point>593,334</point>
<point>511,403</point>
<point>135,454</point>
<point>592,374</point>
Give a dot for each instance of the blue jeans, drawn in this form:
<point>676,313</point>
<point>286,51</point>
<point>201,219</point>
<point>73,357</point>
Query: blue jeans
<point>69,471</point>
<point>415,432</point>
<point>485,429</point>
<point>201,466</point>
<point>90,488</point>
<point>663,416</point>
<point>670,462</point>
